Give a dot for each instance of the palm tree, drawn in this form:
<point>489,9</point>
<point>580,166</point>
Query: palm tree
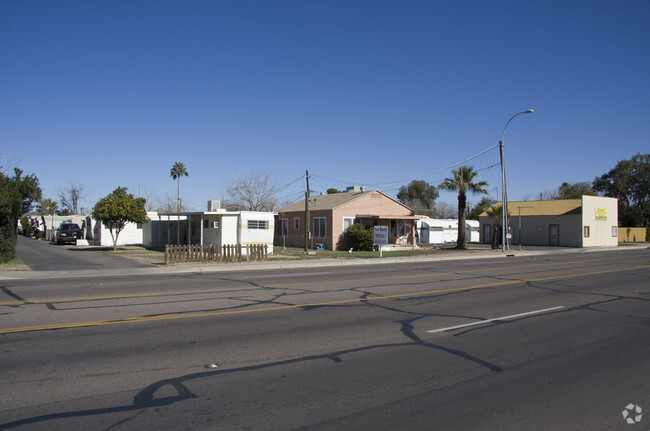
<point>178,171</point>
<point>496,212</point>
<point>463,180</point>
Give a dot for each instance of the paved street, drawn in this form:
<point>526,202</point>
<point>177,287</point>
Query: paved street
<point>555,341</point>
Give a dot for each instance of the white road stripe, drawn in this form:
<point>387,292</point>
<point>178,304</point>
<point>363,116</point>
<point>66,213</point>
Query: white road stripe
<point>481,322</point>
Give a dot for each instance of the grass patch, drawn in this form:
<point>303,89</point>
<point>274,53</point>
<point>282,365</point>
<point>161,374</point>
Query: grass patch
<point>138,253</point>
<point>15,264</point>
<point>291,253</point>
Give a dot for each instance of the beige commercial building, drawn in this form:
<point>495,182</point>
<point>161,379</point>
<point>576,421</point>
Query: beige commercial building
<point>591,221</point>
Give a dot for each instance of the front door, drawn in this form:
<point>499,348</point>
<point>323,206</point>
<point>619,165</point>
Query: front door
<point>424,233</point>
<point>554,234</point>
<point>487,234</point>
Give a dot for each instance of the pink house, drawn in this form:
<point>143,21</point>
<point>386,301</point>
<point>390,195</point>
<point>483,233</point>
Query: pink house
<point>330,216</point>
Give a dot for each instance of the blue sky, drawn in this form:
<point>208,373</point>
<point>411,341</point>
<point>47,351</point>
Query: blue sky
<point>372,93</point>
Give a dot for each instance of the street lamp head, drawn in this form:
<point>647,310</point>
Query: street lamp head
<point>528,111</point>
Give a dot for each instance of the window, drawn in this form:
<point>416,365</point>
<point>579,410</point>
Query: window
<point>320,227</point>
<point>210,224</point>
<point>283,227</point>
<point>397,228</point>
<point>347,222</point>
<point>296,223</point>
<point>586,231</point>
<point>614,231</point>
<point>258,224</point>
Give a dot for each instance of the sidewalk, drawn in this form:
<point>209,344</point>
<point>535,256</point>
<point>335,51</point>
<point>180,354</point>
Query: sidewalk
<point>473,253</point>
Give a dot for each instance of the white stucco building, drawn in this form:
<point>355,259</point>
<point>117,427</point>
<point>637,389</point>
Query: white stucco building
<point>215,226</point>
<point>441,231</point>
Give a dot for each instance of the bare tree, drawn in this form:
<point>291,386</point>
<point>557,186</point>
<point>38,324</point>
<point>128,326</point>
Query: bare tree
<point>168,204</point>
<point>69,198</point>
<point>445,210</point>
<point>151,197</point>
<point>254,192</point>
<point>419,208</point>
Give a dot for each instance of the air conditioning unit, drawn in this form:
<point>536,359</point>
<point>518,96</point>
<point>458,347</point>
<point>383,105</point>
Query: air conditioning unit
<point>214,206</point>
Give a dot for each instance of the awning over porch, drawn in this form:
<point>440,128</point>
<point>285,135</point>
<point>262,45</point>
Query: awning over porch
<point>388,217</point>
<point>407,237</point>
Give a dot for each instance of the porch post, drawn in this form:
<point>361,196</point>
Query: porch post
<point>202,226</point>
<point>189,229</point>
<point>169,235</point>
<point>413,241</point>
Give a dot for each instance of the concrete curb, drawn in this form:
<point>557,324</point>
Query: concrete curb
<point>318,263</point>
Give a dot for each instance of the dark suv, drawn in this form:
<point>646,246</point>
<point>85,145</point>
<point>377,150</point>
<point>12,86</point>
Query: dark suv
<point>68,232</point>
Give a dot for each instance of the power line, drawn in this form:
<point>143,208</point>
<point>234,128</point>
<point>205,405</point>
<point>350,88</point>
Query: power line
<point>347,182</point>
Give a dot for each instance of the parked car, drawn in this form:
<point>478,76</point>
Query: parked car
<point>68,232</point>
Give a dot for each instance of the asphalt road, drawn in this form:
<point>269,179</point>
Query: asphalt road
<point>547,342</point>
<point>45,256</point>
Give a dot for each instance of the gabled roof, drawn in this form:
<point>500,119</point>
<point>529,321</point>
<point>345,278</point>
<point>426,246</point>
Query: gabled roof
<point>331,201</point>
<point>542,208</point>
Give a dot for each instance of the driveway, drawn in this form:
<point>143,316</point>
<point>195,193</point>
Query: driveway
<point>45,256</point>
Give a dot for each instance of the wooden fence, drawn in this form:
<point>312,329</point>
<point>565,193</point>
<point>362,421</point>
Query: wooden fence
<point>210,253</point>
<point>631,234</point>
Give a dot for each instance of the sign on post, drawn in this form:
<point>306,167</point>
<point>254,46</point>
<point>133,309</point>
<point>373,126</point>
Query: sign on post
<point>381,237</point>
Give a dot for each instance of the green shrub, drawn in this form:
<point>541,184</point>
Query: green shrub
<point>7,242</point>
<point>361,237</point>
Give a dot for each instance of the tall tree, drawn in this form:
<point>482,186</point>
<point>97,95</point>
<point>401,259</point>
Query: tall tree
<point>574,191</point>
<point>483,205</point>
<point>255,192</point>
<point>17,195</point>
<point>47,206</point>
<point>29,189</point>
<point>178,171</point>
<point>629,182</point>
<point>464,181</point>
<point>117,209</point>
<point>419,195</point>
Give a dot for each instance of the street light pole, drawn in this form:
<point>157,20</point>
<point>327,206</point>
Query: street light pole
<point>504,201</point>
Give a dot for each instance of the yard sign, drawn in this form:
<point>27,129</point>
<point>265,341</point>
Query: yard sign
<point>381,237</point>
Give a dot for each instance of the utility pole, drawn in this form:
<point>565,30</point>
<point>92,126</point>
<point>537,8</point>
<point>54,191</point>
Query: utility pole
<point>307,212</point>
